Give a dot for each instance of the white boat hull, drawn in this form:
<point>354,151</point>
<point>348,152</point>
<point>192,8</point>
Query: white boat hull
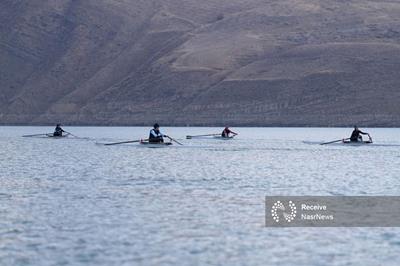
<point>223,138</point>
<point>56,137</point>
<point>155,145</point>
<point>357,143</point>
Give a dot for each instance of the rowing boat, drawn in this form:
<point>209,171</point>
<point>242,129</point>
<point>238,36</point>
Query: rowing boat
<point>47,135</point>
<point>155,145</point>
<point>357,143</point>
<point>224,138</point>
<point>57,137</point>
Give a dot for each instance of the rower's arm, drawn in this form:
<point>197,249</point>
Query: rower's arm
<point>364,133</point>
<point>163,135</point>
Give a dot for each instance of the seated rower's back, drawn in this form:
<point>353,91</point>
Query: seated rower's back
<point>226,132</point>
<point>58,131</point>
<point>155,135</point>
<point>356,135</point>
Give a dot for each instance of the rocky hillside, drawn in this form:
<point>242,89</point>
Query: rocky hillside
<point>209,62</point>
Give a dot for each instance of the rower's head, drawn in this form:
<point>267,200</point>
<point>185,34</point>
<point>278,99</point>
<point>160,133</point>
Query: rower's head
<point>156,126</point>
<point>355,127</point>
<point>58,125</point>
<point>226,128</point>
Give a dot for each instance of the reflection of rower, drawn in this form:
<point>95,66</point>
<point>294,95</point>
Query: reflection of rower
<point>58,131</point>
<point>226,132</point>
<point>356,135</point>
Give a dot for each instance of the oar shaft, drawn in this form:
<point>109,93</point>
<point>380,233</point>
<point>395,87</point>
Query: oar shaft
<point>124,142</point>
<point>34,135</point>
<point>206,135</point>
<point>334,141</point>
<point>174,140</point>
<point>71,134</point>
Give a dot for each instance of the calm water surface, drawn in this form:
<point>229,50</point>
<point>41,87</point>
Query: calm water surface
<point>76,202</point>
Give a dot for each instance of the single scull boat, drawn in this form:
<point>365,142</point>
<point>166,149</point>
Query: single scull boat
<point>155,145</point>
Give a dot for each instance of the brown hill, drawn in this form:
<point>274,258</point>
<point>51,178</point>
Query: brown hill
<point>210,62</point>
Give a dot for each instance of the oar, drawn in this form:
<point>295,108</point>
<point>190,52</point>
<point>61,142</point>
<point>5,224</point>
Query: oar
<point>334,141</point>
<point>123,142</point>
<point>71,134</point>
<point>207,135</point>
<point>35,135</point>
<point>174,140</point>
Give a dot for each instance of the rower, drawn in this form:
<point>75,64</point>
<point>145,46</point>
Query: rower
<point>356,135</point>
<point>226,132</point>
<point>58,131</point>
<point>155,135</point>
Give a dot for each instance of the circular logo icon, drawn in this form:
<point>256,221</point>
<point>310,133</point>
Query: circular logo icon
<point>278,209</point>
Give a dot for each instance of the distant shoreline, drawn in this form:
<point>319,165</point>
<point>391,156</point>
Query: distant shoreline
<point>200,126</point>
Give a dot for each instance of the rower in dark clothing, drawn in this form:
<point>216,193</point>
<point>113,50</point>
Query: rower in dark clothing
<point>226,132</point>
<point>155,135</point>
<point>356,135</point>
<point>58,131</point>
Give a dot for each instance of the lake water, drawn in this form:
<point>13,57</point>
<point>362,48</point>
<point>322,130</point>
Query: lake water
<point>75,202</point>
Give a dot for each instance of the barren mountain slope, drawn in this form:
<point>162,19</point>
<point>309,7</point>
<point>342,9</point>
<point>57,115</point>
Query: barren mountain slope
<point>242,62</point>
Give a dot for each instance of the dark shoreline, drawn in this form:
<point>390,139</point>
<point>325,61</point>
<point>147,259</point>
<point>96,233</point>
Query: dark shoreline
<point>210,125</point>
